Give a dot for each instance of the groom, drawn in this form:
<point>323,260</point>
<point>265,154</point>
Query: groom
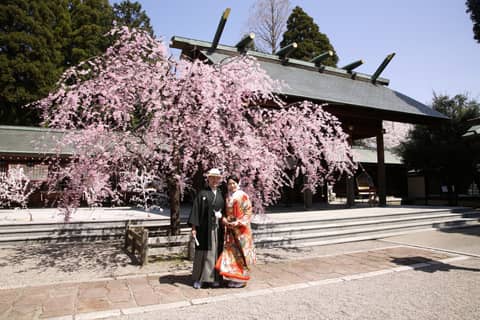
<point>204,219</point>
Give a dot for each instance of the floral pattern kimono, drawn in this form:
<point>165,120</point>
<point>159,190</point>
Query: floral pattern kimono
<point>238,251</point>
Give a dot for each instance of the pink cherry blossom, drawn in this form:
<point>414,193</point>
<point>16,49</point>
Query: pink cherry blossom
<point>134,114</point>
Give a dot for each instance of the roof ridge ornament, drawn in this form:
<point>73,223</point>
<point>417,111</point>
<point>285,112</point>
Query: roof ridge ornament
<point>286,51</point>
<point>321,57</point>
<point>218,33</point>
<point>349,67</point>
<point>246,42</point>
<point>382,67</point>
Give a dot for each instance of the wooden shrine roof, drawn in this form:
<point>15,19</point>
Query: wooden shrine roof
<point>354,91</point>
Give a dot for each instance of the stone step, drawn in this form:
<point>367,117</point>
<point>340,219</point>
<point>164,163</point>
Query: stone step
<point>82,224</point>
<point>320,217</point>
<point>75,231</point>
<point>285,229</point>
<point>45,232</point>
<point>364,233</point>
<point>369,236</point>
<point>13,240</point>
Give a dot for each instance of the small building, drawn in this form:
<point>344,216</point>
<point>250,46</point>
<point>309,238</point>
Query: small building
<point>28,148</point>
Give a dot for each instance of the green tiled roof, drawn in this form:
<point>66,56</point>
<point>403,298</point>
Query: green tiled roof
<point>29,141</point>
<point>34,141</point>
<point>331,85</point>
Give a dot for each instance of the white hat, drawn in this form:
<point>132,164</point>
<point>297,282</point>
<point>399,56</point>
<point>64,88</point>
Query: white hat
<point>214,172</point>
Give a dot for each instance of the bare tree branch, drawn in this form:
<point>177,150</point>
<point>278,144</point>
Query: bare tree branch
<point>268,20</point>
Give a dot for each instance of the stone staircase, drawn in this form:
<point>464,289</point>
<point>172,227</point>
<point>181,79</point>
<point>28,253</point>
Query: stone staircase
<point>312,228</point>
<point>290,229</point>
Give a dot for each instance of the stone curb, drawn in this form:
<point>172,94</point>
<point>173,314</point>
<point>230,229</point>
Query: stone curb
<point>226,297</point>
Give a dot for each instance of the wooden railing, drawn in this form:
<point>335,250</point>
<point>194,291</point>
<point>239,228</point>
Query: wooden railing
<point>148,240</point>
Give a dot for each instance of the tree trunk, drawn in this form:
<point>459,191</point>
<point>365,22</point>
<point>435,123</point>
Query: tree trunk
<point>174,200</point>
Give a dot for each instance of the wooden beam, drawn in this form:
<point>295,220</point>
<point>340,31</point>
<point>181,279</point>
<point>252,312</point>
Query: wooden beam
<point>321,57</point>
<point>349,67</point>
<point>243,44</point>
<point>221,25</point>
<point>286,51</point>
<point>382,67</point>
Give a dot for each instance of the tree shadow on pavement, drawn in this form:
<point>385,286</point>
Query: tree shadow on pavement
<point>433,265</point>
<point>471,231</point>
<point>279,253</point>
<point>65,257</point>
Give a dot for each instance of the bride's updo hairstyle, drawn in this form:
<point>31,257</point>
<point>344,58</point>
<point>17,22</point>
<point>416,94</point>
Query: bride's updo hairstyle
<point>234,178</point>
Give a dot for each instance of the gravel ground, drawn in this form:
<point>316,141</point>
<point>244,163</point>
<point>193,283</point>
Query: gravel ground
<point>28,265</point>
<point>447,293</point>
<point>53,263</point>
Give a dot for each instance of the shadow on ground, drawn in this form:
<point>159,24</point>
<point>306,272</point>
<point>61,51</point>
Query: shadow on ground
<point>279,253</point>
<point>434,265</point>
<point>176,279</point>
<point>471,231</point>
<point>66,257</point>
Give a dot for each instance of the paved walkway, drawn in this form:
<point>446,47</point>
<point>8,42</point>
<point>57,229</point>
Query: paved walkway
<point>138,294</point>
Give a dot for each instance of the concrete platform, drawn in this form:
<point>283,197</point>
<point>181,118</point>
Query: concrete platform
<point>53,215</point>
<point>274,214</point>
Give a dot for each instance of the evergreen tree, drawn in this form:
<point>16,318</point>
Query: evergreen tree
<point>441,149</point>
<point>131,14</point>
<point>31,42</point>
<point>91,20</point>
<point>305,32</point>
<point>473,7</point>
<point>39,39</point>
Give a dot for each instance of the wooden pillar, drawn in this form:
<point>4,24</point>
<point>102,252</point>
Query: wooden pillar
<point>382,183</point>
<point>350,192</point>
<point>426,182</point>
<point>350,186</point>
<point>144,246</point>
<point>307,195</point>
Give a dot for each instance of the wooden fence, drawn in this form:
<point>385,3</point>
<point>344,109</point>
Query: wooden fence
<point>153,240</point>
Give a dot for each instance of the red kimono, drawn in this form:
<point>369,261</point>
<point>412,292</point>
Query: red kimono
<point>238,251</point>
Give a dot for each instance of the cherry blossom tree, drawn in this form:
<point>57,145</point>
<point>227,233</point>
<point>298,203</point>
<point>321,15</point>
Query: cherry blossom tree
<point>395,133</point>
<point>15,189</point>
<point>145,189</point>
<point>134,109</point>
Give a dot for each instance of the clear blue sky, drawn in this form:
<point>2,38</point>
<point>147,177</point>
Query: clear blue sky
<point>432,39</point>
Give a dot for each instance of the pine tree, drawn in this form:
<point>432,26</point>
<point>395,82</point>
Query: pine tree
<point>31,45</point>
<point>91,20</point>
<point>131,14</point>
<point>305,32</point>
<point>440,150</point>
<point>473,7</point>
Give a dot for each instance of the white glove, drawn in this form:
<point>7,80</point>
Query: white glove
<point>218,214</point>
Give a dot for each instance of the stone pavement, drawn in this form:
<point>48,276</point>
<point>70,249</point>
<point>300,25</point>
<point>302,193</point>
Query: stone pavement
<point>136,294</point>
